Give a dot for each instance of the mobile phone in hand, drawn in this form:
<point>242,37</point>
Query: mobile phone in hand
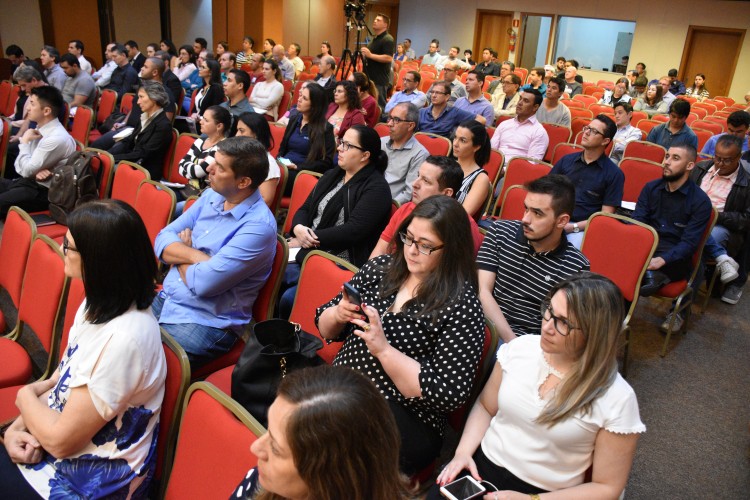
<point>352,294</point>
<point>463,488</point>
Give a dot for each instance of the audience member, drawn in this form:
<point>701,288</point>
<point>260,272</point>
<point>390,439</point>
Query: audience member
<point>439,118</point>
<point>551,111</point>
<point>186,67</point>
<point>79,88</point>
<point>572,86</point>
<point>200,46</point>
<point>235,90</point>
<point>625,131</point>
<point>667,96</point>
<point>468,58</point>
<point>124,78</point>
<point>676,87</point>
<point>268,45</point>
<point>471,148</point>
<point>168,46</point>
<point>168,78</point>
<point>91,428</point>
<point>652,103</point>
<point>49,59</point>
<point>738,124</point>
<point>244,55</point>
<point>536,81</point>
<point>27,79</point>
<point>378,57</point>
<point>457,88</point>
<point>16,56</point>
<point>641,69</point>
<point>506,95</point>
<point>399,55</point>
<point>256,68</point>
<point>215,124</point>
<point>221,252</point>
<point>523,135</point>
<point>227,61</point>
<point>474,101</point>
<point>293,53</point>
<point>102,76</point>
<point>267,95</point>
<point>410,54</point>
<point>506,68</point>
<point>325,50</point>
<point>598,181</point>
<point>679,211</point>
<point>409,92</point>
<point>368,97</point>
<point>639,87</point>
<point>618,94</point>
<point>433,54</point>
<point>346,109</point>
<point>405,153</point>
<point>286,67</point>
<point>520,261</point>
<point>487,67</point>
<point>424,295</point>
<point>75,47</point>
<point>452,57</point>
<point>326,78</point>
<point>134,55</point>
<point>529,438</point>
<point>221,47</point>
<point>675,131</point>
<point>256,127</point>
<point>698,90</point>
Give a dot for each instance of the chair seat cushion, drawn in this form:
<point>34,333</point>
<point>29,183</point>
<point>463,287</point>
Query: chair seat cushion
<point>16,366</point>
<point>673,290</point>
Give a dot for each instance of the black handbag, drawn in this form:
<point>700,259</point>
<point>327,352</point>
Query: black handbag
<point>277,347</point>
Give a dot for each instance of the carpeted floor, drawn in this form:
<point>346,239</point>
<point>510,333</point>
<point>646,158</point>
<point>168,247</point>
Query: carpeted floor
<point>694,402</point>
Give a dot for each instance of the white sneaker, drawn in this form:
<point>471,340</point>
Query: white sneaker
<point>678,322</point>
<point>727,267</point>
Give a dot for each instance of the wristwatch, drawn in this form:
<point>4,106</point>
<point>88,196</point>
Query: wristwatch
<point>576,229</point>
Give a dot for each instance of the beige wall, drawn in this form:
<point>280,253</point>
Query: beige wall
<point>137,21</point>
<point>661,26</point>
<point>26,34</point>
<point>310,22</point>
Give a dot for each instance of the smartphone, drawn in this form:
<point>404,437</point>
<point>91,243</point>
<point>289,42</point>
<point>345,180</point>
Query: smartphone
<point>284,161</point>
<point>352,294</point>
<point>462,489</point>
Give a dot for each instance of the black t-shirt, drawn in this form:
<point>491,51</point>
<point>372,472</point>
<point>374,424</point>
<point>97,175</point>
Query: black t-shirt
<point>380,73</point>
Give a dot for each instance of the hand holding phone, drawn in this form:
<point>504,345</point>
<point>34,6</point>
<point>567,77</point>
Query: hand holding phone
<point>463,488</point>
<point>352,294</point>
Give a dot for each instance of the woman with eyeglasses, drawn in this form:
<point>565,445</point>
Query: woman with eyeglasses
<point>346,211</point>
<point>419,331</point>
<point>346,108</point>
<point>90,430</point>
<point>186,66</point>
<point>618,94</point>
<point>555,405</point>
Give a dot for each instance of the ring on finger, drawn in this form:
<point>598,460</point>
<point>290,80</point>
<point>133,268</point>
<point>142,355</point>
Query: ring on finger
<point>366,327</point>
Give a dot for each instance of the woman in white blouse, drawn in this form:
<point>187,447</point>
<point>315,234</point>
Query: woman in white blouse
<point>555,406</point>
<point>186,66</point>
<point>267,95</point>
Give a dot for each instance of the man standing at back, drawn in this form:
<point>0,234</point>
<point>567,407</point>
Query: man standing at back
<point>378,57</point>
<point>221,252</point>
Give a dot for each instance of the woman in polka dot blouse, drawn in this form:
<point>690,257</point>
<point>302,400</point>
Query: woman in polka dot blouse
<point>418,334</point>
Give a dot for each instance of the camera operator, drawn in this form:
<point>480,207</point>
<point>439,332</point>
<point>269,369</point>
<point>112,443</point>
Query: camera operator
<point>378,57</point>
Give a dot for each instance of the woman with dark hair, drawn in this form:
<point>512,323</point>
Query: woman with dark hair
<point>256,126</point>
<point>168,46</point>
<point>419,332</point>
<point>308,142</point>
<point>617,94</point>
<point>555,406</point>
<point>346,109</point>
<point>152,49</point>
<point>221,47</point>
<point>215,124</point>
<point>267,94</point>
<point>325,50</point>
<point>90,429</point>
<point>268,45</point>
<point>245,55</point>
<point>147,144</point>
<point>471,147</point>
<point>368,97</point>
<point>346,212</point>
<point>186,65</point>
<point>400,55</point>
<point>698,90</point>
<point>212,92</point>
<point>313,447</point>
<point>652,102</point>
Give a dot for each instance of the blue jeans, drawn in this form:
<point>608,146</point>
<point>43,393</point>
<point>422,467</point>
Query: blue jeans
<point>716,245</point>
<point>288,290</point>
<point>201,343</point>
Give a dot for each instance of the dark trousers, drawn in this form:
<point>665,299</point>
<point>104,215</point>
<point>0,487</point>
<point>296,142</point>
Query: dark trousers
<point>382,95</point>
<point>12,483</point>
<point>420,443</point>
<point>26,193</point>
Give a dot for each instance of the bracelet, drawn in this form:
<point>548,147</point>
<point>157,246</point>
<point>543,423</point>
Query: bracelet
<point>534,496</point>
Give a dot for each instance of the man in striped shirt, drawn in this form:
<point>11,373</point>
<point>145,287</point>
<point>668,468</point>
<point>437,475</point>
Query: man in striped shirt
<point>520,261</point>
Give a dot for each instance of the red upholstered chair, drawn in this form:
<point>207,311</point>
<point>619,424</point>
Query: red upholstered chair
<point>103,165</point>
<point>728,101</point>
<point>705,124</point>
<point>184,142</point>
<point>155,204</point>
<point>592,89</point>
<point>82,124</point>
<point>18,233</point>
<point>44,287</point>
<point>647,125</point>
<point>189,203</point>
<point>620,248</point>
<point>716,102</point>
<point>578,140</point>
<point>570,103</point>
<point>494,167</point>
<point>660,118</point>
<point>557,134</point>
<point>168,156</point>
<point>382,129</point>
<point>638,173</point>
<point>703,136</point>
<point>4,138</point>
<point>637,117</point>
<point>513,207</point>
<point>564,148</point>
<point>580,113</point>
<point>602,109</point>
<point>107,102</point>
<point>280,186</point>
<point>710,108</point>
<point>127,180</point>
<point>645,150</point>
<point>303,186</point>
<point>435,144</point>
<point>213,447</point>
<point>691,119</point>
<point>521,170</point>
<point>701,112</point>
<point>577,124</point>
<point>277,134</point>
<point>5,87</point>
<point>126,103</point>
<point>587,100</point>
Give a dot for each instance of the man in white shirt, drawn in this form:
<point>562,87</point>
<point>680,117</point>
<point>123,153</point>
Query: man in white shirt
<point>102,76</point>
<point>325,78</point>
<point>75,47</point>
<point>433,56</point>
<point>625,131</point>
<point>452,57</point>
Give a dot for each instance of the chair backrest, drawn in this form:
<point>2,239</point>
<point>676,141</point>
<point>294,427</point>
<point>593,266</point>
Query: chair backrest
<point>212,452</point>
<point>564,148</point>
<point>701,112</point>
<point>184,142</point>
<point>155,204</point>
<point>710,108</point>
<point>103,165</point>
<point>82,124</point>
<point>18,233</point>
<point>280,187</point>
<point>703,136</point>
<point>126,103</point>
<point>382,129</point>
<point>577,124</point>
<point>277,132</point>
<point>5,87</point>
<point>619,248</point>
<point>557,134</point>
<point>585,99</point>
<point>304,183</point>
<point>716,102</point>
<point>189,203</point>
<point>320,279</point>
<point>435,144</point>
<point>705,124</point>
<point>513,207</point>
<point>647,125</point>
<point>580,112</point>
<point>127,180</point>
<point>638,173</point>
<point>168,156</point>
<point>645,151</point>
<point>107,103</point>
<point>601,109</point>
<point>521,170</point>
<point>660,118</point>
<point>4,138</point>
<point>571,104</point>
<point>10,106</point>
<point>426,83</point>
<point>266,299</point>
<point>494,166</point>
<point>592,89</point>
<point>728,101</point>
<point>175,386</point>
<point>638,116</point>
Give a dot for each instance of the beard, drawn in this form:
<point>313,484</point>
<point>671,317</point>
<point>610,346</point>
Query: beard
<point>672,177</point>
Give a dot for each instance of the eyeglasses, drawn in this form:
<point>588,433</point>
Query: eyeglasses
<point>724,161</point>
<point>449,69</point>
<point>508,83</point>
<point>66,246</point>
<point>396,120</point>
<point>406,80</point>
<point>591,130</point>
<point>345,146</point>
<point>563,326</point>
<point>421,247</point>
<point>438,92</point>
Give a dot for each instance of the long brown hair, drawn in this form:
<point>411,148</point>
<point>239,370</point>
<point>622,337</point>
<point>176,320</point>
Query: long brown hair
<point>337,408</point>
<point>456,269</point>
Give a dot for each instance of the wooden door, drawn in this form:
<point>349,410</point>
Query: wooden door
<point>491,30</point>
<point>713,52</point>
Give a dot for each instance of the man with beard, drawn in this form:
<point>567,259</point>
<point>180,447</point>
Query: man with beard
<point>678,209</point>
<point>520,261</point>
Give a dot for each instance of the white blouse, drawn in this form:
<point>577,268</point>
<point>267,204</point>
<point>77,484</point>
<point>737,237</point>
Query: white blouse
<point>554,457</point>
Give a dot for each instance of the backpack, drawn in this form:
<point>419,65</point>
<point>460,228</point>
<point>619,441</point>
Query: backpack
<point>72,184</point>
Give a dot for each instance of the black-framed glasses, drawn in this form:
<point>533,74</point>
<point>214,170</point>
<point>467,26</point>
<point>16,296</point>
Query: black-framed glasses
<point>438,92</point>
<point>396,120</point>
<point>725,161</point>
<point>67,247</point>
<point>345,146</point>
<point>562,325</point>
<point>421,247</point>
<point>591,130</point>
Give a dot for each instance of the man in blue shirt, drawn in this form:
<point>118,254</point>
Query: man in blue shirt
<point>439,118</point>
<point>599,182</point>
<point>679,211</point>
<point>738,124</point>
<point>474,101</point>
<point>675,131</point>
<point>676,87</point>
<point>410,93</point>
<point>221,251</point>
